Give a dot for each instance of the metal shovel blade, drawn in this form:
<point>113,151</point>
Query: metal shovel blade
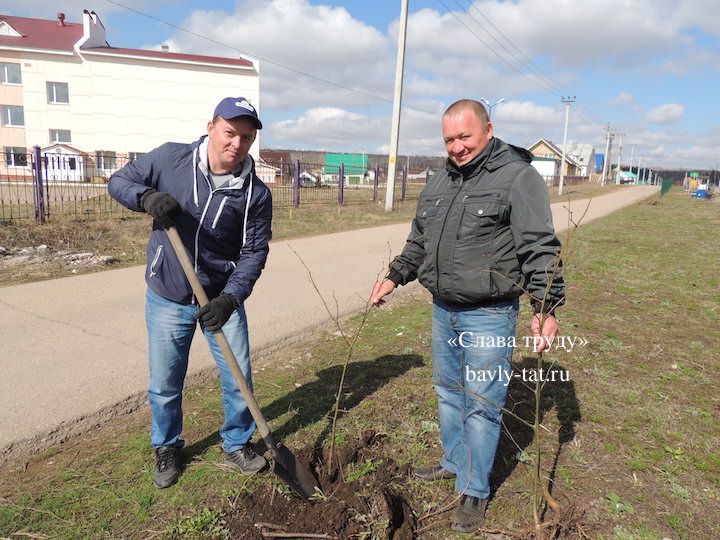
<point>293,472</point>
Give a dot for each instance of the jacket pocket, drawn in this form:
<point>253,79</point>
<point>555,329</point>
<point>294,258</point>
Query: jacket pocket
<point>219,211</point>
<point>155,263</point>
<point>429,216</point>
<point>479,221</point>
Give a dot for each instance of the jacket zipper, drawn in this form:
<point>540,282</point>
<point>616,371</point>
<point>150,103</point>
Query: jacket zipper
<point>155,260</point>
<point>462,215</point>
<point>217,216</point>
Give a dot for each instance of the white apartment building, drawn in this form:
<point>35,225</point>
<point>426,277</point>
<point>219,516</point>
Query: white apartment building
<point>63,87</point>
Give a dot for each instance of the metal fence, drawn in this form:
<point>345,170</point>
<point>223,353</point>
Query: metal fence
<point>43,186</point>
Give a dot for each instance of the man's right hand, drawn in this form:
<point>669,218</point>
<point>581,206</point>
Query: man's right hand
<point>162,206</point>
<point>381,290</point>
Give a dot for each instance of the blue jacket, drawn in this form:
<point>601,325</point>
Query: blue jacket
<point>225,230</point>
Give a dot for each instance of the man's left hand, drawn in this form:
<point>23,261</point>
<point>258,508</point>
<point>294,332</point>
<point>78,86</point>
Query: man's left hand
<point>216,312</point>
<point>543,326</point>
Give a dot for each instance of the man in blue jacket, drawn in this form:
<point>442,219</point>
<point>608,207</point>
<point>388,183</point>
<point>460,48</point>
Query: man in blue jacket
<point>222,211</point>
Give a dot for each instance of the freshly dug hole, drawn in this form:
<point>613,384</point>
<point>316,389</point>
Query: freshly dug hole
<point>342,508</point>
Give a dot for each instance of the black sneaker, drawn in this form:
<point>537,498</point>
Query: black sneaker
<point>470,515</point>
<point>167,466</point>
<point>246,460</point>
<point>432,473</point>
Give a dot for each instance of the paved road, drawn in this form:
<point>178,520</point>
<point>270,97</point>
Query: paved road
<point>74,349</point>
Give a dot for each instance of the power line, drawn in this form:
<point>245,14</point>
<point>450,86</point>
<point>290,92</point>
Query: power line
<point>272,62</point>
<point>548,84</point>
<point>544,88</point>
<point>529,64</point>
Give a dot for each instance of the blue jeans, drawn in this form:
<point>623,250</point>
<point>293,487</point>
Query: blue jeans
<point>171,327</point>
<point>471,375</point>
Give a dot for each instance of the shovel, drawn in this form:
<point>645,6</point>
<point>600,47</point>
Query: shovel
<point>284,464</point>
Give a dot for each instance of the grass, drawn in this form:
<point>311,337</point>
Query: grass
<point>632,439</point>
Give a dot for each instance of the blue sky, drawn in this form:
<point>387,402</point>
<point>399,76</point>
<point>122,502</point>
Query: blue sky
<point>649,68</point>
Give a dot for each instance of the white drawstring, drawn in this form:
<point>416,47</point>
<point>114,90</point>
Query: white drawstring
<point>247,207</point>
<point>195,186</point>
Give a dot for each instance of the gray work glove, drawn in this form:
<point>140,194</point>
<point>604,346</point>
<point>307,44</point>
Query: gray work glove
<point>216,312</point>
<point>162,206</point>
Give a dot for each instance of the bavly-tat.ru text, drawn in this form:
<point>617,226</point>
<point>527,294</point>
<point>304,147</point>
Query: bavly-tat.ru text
<point>527,375</point>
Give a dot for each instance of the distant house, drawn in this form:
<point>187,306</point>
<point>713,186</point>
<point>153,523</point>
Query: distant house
<point>547,150</point>
<point>356,168</point>
<point>583,154</point>
<point>267,173</point>
<point>276,158</point>
<point>308,179</point>
<point>64,163</point>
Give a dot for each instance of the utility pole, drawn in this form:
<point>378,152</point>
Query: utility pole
<point>642,174</point>
<point>617,171</point>
<point>637,181</point>
<point>397,102</point>
<point>632,155</point>
<point>607,155</point>
<point>567,101</point>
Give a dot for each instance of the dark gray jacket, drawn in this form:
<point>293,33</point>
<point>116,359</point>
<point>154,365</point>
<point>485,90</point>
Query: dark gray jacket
<point>483,233</point>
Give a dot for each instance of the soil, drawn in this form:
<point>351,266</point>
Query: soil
<point>373,503</point>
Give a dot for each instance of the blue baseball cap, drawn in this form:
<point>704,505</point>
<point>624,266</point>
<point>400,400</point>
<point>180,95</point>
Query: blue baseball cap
<point>231,107</point>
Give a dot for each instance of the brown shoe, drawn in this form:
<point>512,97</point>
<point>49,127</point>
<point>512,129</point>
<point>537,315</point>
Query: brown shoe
<point>431,474</point>
<point>470,515</point>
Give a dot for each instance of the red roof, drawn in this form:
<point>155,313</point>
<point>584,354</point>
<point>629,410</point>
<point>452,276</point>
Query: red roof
<point>41,34</point>
<point>46,34</point>
<point>171,56</point>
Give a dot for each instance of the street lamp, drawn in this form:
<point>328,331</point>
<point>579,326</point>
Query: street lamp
<point>490,107</point>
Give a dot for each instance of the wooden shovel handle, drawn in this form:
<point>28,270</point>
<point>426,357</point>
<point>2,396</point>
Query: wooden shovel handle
<point>202,299</point>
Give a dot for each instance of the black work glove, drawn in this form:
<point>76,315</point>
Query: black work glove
<point>216,312</point>
<point>162,206</point>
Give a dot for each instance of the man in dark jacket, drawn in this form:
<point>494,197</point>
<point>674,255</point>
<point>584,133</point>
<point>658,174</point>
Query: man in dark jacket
<point>482,236</point>
<point>222,211</point>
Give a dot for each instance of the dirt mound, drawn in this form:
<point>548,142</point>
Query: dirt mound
<point>360,495</point>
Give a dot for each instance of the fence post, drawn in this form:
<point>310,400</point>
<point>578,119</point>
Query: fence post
<point>296,185</point>
<point>38,196</point>
<point>341,184</point>
<point>375,183</point>
<point>404,184</point>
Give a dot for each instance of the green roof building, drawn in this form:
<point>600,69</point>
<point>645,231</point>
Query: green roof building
<point>356,166</point>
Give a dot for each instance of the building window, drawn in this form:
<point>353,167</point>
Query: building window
<point>104,159</point>
<point>57,92</point>
<point>60,136</point>
<point>16,156</point>
<point>132,156</point>
<point>12,115</point>
<point>10,73</point>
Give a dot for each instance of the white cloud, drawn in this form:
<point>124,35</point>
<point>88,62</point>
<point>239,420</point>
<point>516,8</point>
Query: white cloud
<point>623,98</point>
<point>665,114</point>
<point>326,127</point>
<point>323,41</point>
